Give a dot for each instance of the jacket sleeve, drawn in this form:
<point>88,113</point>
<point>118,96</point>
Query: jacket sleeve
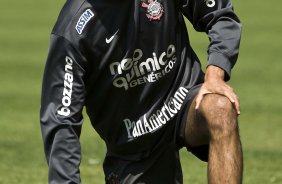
<point>218,20</point>
<point>61,118</point>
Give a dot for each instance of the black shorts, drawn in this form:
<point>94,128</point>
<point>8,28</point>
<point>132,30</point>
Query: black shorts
<point>200,152</point>
<point>163,164</point>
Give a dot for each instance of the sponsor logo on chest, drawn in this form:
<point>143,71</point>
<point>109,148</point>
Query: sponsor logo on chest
<point>139,70</point>
<point>83,20</point>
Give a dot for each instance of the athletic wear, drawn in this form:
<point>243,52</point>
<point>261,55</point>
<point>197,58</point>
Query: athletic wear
<point>131,65</point>
<point>162,165</point>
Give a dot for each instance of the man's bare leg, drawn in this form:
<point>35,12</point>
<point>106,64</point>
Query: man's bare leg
<point>215,122</point>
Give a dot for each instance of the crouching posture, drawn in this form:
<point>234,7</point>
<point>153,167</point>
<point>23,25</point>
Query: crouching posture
<point>130,64</point>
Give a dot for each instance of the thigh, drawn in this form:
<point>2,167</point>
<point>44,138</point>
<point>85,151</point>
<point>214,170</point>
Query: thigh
<point>213,117</point>
<point>196,128</point>
<point>216,117</point>
<point>192,128</point>
<point>192,132</point>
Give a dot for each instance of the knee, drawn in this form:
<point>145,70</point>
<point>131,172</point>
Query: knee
<point>220,115</point>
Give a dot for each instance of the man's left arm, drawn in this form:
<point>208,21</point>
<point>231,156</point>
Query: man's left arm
<point>218,20</point>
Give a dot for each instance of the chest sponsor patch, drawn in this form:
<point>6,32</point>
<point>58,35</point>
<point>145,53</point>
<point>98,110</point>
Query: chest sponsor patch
<point>83,20</point>
<point>139,70</point>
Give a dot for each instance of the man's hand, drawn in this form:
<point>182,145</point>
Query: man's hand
<point>215,84</point>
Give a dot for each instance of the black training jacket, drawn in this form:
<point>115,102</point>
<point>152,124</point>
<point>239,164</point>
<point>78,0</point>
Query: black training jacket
<point>131,65</point>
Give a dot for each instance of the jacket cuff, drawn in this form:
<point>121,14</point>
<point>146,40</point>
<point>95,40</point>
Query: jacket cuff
<point>221,61</point>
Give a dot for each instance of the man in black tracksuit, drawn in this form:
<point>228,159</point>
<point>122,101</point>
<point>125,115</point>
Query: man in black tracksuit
<point>131,65</point>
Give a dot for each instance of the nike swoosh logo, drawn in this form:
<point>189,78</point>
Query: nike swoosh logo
<point>111,38</point>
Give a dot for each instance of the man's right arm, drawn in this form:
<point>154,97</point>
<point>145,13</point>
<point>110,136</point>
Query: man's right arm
<point>62,101</point>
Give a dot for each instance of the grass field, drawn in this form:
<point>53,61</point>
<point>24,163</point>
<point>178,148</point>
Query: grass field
<point>24,40</point>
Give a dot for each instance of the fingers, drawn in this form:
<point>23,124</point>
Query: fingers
<point>233,99</point>
<point>198,101</point>
<point>237,104</point>
<point>200,97</point>
<point>224,90</point>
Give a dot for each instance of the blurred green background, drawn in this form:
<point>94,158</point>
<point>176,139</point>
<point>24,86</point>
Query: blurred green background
<point>24,40</point>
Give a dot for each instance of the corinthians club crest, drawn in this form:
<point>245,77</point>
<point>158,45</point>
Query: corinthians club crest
<point>155,9</point>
